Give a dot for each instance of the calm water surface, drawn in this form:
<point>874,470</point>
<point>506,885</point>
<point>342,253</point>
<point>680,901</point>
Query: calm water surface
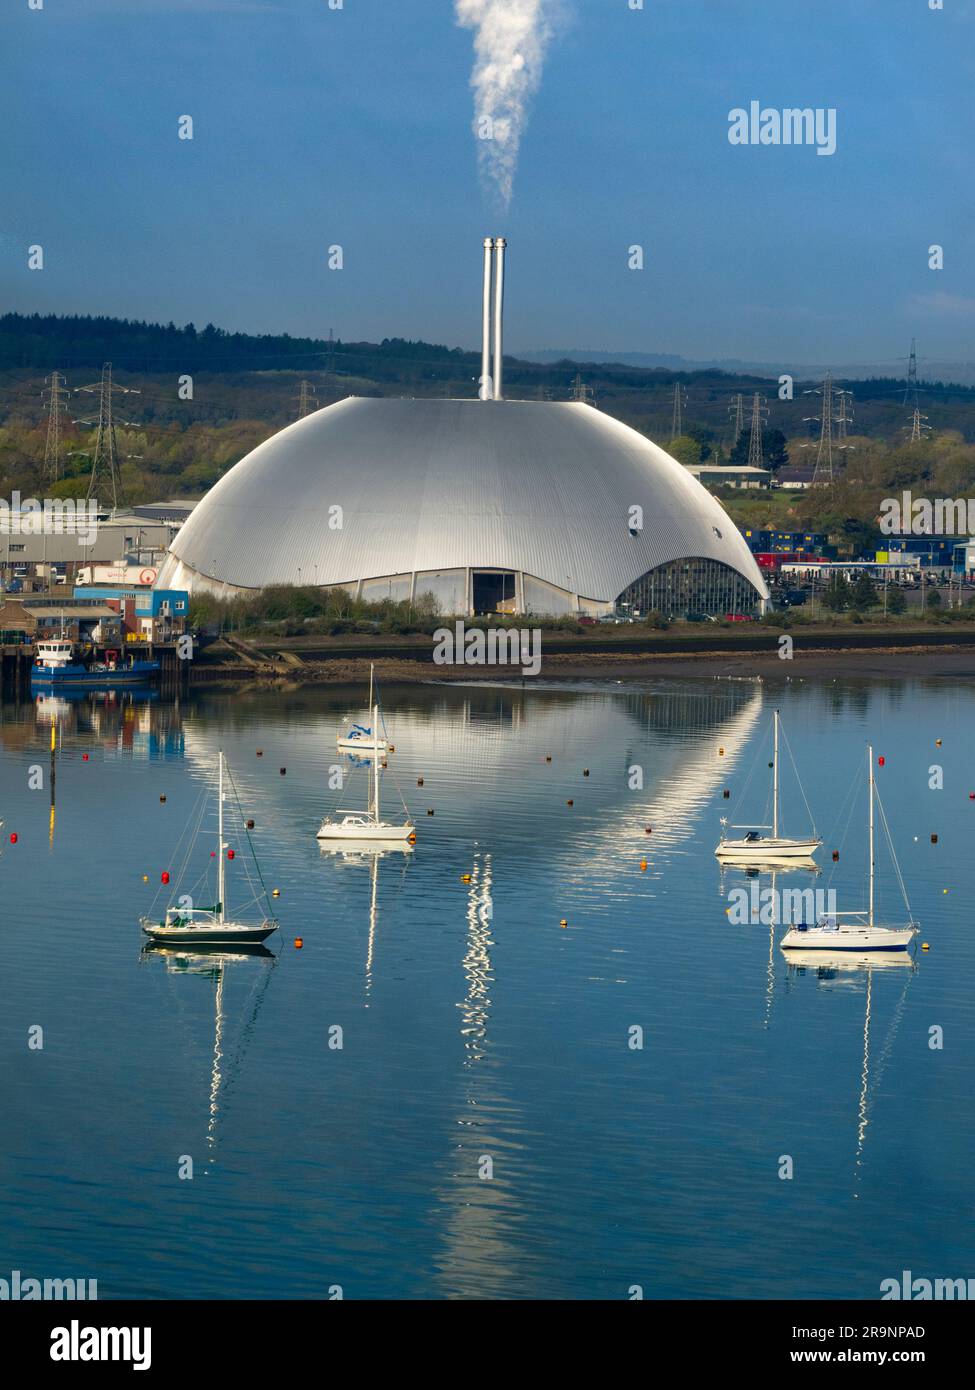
<point>473,1024</point>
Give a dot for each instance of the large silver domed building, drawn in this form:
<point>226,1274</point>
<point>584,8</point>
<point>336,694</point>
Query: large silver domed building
<point>516,506</point>
<point>490,505</point>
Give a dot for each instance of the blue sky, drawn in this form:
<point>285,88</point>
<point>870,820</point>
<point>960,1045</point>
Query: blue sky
<point>314,127</point>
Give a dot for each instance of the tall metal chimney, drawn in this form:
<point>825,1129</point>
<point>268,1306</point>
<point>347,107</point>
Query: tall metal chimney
<point>484,391</point>
<point>499,245</point>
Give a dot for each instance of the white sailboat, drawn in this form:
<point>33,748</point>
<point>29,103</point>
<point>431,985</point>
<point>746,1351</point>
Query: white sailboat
<point>755,848</point>
<point>859,930</point>
<point>368,824</point>
<point>209,925</point>
<point>361,739</point>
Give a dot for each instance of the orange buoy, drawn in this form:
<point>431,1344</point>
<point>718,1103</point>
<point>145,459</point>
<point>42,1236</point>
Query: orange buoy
<point>465,878</point>
<point>411,839</point>
<point>925,946</point>
<point>881,760</point>
<point>563,923</point>
<point>275,892</point>
<point>643,865</point>
<point>720,752</point>
<point>84,757</point>
<point>569,802</point>
<point>299,942</point>
<point>937,743</point>
<point>165,877</point>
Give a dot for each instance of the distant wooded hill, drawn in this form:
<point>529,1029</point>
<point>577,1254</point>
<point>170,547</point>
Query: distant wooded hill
<point>245,387</point>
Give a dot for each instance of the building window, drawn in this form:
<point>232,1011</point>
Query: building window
<point>691,586</point>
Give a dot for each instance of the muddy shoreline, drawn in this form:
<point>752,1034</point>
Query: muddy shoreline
<point>945,662</point>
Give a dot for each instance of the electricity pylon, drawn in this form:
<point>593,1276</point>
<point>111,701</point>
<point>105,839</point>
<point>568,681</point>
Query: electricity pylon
<point>755,452</point>
<point>737,408</point>
<point>677,423</point>
<point>918,427</point>
<point>307,399</point>
<point>580,390</point>
<point>823,472</point>
<point>105,457</point>
<point>910,391</point>
<point>54,405</point>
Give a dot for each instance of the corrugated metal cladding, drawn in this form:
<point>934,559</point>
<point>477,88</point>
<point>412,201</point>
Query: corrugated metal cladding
<point>541,487</point>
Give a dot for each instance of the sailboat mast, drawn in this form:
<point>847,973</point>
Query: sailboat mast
<point>870,764</point>
<point>775,777</point>
<point>375,763</point>
<point>220,869</point>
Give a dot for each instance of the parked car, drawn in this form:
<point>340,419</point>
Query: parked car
<point>699,618</point>
<point>739,617</point>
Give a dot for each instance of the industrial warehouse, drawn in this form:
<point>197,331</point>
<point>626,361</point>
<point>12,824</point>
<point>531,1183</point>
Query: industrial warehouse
<point>488,505</point>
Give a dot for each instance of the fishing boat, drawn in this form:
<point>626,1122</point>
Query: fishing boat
<point>368,824</point>
<point>757,848</point>
<point>360,738</point>
<point>210,926</point>
<point>858,930</point>
<point>55,668</point>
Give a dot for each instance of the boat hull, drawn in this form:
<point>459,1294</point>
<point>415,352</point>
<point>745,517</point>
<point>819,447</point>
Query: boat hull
<point>848,939</point>
<point>364,831</point>
<point>363,745</point>
<point>219,934</point>
<point>60,677</point>
<point>766,850</point>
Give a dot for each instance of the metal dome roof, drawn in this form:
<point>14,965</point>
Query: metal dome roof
<point>541,487</point>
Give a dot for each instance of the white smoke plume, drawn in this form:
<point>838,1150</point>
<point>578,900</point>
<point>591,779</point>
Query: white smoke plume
<point>510,39</point>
